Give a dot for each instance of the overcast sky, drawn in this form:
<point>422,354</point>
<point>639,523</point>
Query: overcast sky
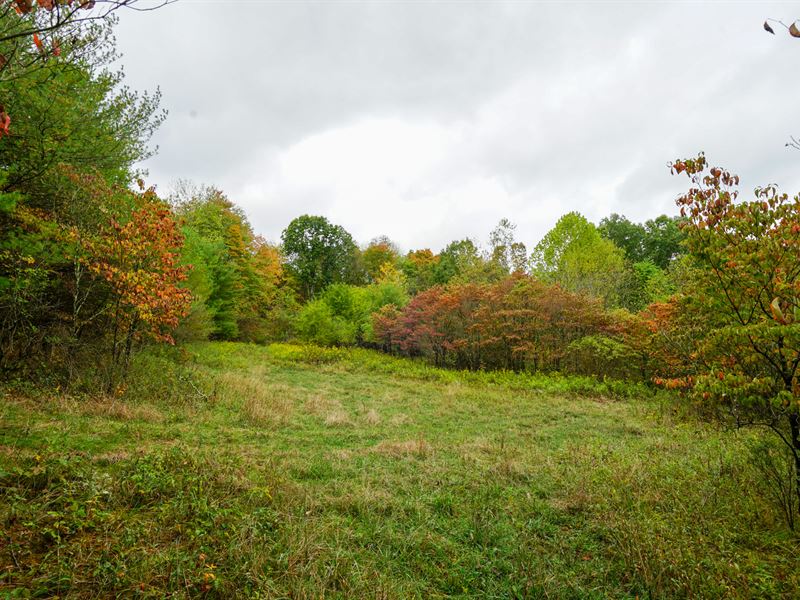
<point>429,122</point>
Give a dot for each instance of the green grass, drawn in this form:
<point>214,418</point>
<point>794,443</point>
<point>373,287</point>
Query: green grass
<point>232,470</point>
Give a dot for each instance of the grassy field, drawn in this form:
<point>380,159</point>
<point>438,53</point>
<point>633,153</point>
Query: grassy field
<point>231,470</point>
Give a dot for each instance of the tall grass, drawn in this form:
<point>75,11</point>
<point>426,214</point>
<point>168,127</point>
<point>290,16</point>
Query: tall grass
<point>239,471</point>
<point>377,362</point>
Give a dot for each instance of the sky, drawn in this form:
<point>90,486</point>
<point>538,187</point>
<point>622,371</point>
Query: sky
<point>429,122</point>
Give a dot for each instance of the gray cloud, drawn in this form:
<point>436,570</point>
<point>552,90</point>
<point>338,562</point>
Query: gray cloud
<point>431,121</point>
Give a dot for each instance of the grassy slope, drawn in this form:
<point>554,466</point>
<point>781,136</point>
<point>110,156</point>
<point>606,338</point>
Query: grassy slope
<point>311,474</point>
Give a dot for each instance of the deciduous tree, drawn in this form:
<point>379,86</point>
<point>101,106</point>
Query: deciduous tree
<point>575,255</point>
<point>318,254</point>
<point>140,261</point>
<point>53,35</point>
<point>508,253</point>
<point>379,252</point>
<point>747,287</point>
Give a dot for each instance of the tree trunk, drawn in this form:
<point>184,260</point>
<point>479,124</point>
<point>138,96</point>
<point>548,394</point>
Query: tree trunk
<point>794,424</point>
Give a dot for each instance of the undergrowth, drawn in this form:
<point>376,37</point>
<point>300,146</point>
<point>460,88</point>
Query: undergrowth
<point>239,471</point>
<point>377,362</point>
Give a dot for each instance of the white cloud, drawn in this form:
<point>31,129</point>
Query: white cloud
<point>430,122</point>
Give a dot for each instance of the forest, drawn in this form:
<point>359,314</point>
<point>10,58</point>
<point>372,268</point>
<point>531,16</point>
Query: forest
<point>127,311</point>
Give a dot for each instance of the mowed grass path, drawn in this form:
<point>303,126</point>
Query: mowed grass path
<point>283,473</point>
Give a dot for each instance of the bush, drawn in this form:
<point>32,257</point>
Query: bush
<point>373,361</point>
<point>343,315</point>
<point>602,355</point>
<point>317,323</point>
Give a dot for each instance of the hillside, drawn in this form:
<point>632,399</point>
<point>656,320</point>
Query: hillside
<point>304,472</point>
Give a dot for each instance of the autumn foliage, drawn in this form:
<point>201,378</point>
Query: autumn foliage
<point>519,323</point>
<point>139,261</point>
<point>91,284</point>
<point>745,287</point>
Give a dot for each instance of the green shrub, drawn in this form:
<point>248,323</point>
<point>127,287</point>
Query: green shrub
<point>342,316</point>
<point>602,355</point>
<point>317,323</point>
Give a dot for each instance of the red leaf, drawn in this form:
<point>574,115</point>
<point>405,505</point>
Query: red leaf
<point>5,122</point>
<point>22,7</point>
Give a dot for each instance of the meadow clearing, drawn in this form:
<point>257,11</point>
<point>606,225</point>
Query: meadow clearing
<point>235,470</point>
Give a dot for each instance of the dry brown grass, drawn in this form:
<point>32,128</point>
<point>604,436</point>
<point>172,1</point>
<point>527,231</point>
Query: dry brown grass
<point>510,468</point>
<point>476,450</point>
<point>363,501</point>
<point>409,448</point>
<point>372,417</point>
<point>342,455</point>
<point>337,418</point>
<point>111,457</point>
<point>15,451</point>
<point>263,403</point>
<point>271,409</point>
<point>110,408</point>
<point>399,419</point>
<point>320,404</point>
<point>452,389</point>
<point>331,411</point>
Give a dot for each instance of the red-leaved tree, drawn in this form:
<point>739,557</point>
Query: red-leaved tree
<point>138,260</point>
